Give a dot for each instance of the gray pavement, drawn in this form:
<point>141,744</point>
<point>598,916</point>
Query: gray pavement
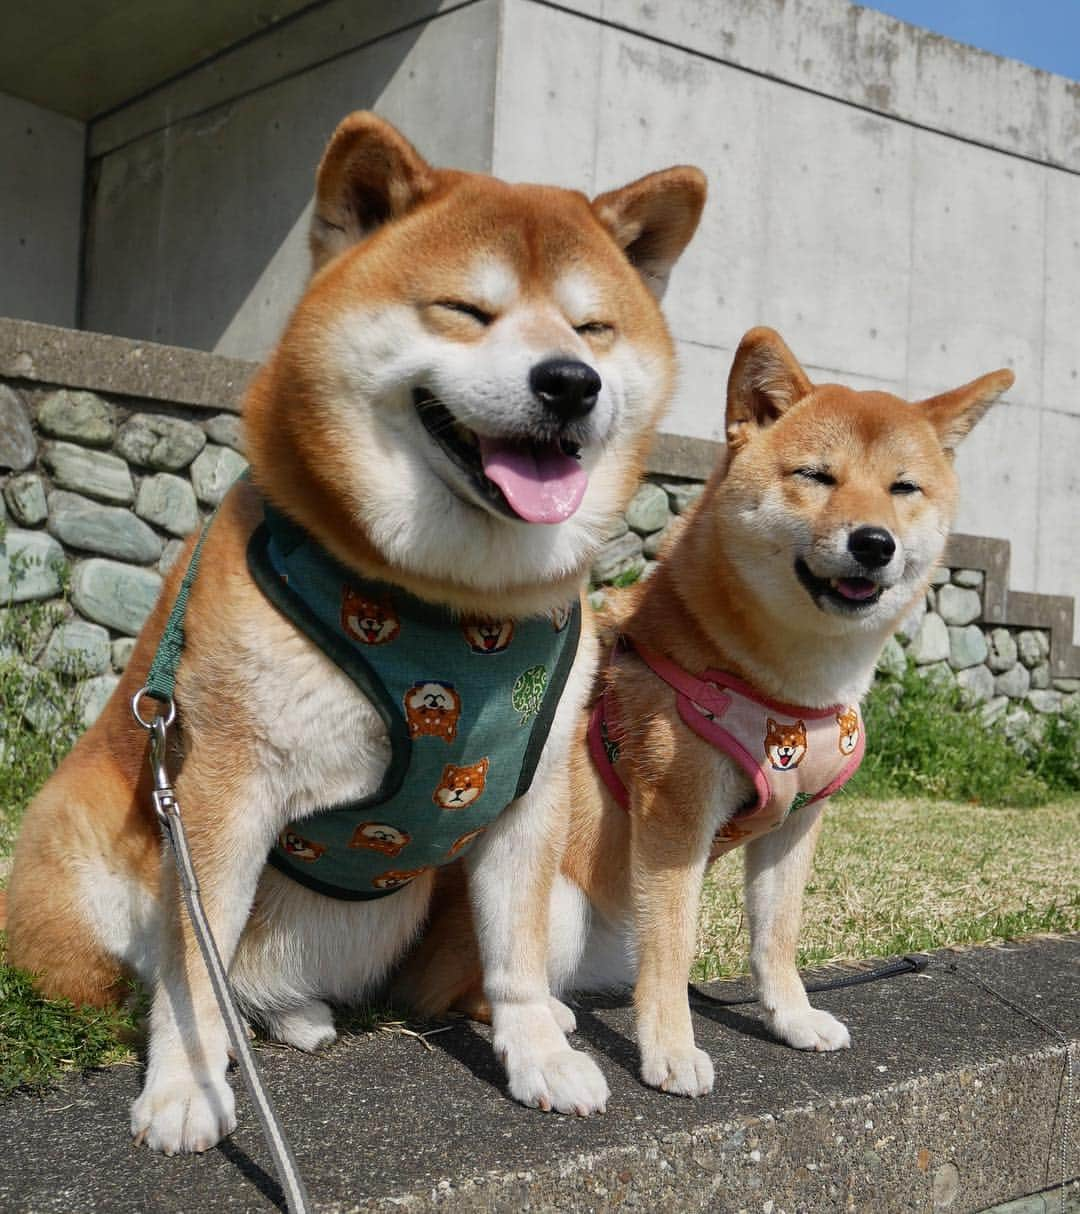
<point>950,1099</point>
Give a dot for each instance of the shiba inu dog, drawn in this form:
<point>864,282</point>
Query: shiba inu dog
<point>766,616</point>
<point>459,405</point>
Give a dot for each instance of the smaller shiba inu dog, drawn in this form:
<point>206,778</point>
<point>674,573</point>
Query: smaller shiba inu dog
<point>728,709</point>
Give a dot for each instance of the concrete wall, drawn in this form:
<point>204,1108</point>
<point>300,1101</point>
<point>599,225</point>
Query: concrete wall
<point>905,210</point>
<point>40,212</point>
<point>197,231</point>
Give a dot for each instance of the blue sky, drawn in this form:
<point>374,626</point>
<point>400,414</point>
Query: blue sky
<point>1043,33</point>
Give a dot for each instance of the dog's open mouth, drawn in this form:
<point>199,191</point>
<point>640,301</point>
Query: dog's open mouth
<point>540,481</point>
<point>851,594</point>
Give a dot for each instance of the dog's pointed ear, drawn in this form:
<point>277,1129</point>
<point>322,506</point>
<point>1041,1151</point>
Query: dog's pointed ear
<point>652,220</point>
<point>953,414</point>
<point>368,175</point>
<point>765,381</point>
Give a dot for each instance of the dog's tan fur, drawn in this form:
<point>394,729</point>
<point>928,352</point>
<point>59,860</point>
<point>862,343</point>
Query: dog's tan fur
<point>269,729</point>
<point>726,597</point>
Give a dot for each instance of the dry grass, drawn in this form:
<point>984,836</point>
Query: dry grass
<point>901,876</point>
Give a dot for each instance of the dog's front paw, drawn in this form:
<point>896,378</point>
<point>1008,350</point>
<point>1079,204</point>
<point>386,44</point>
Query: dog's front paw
<point>809,1029</point>
<point>563,1081</point>
<point>183,1115</point>
<point>543,1071</point>
<point>685,1071</point>
<point>564,1017</point>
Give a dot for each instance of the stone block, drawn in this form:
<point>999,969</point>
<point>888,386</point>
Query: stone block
<point>82,417</point>
<point>25,497</point>
<point>619,526</point>
<point>18,448</point>
<point>226,430</point>
<point>931,642</point>
<point>941,576</point>
<point>121,652</point>
<point>168,501</point>
<point>1040,676</point>
<point>1068,686</point>
<point>597,598</point>
<point>958,606</point>
<point>155,440</point>
<point>214,472</point>
<point>892,660</point>
<point>971,579</point>
<point>1033,647</point>
<point>92,695</point>
<point>648,510</point>
<point>1003,651</point>
<point>78,647</point>
<point>168,558</point>
<point>994,710</point>
<point>912,623</point>
<point>115,595</point>
<point>682,497</point>
<point>1014,683</point>
<point>32,565</point>
<point>1045,700</point>
<point>967,647</point>
<point>79,522</point>
<point>95,473</point>
<point>938,673</point>
<point>976,683</point>
<point>617,557</point>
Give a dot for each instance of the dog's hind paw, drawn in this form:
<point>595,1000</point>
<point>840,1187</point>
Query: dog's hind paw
<point>183,1116</point>
<point>308,1027</point>
<point>809,1029</point>
<point>681,1072</point>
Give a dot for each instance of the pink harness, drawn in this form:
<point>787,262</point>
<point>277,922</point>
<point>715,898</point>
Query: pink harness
<point>806,754</point>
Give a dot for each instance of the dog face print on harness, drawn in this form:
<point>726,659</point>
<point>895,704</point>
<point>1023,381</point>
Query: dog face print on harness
<point>785,745</point>
<point>432,710</point>
<point>460,786</point>
<point>369,621</point>
<point>488,636</point>
<point>380,837</point>
<point>848,720</point>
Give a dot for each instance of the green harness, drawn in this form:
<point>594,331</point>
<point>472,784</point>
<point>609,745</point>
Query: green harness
<point>467,705</point>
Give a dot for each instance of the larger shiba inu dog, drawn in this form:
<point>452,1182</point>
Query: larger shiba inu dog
<point>458,406</point>
<point>728,708</point>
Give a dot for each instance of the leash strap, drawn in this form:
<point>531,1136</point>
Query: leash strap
<point>911,963</point>
<point>160,685</point>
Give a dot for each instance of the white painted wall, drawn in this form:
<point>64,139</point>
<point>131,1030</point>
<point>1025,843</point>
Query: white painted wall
<point>41,177</point>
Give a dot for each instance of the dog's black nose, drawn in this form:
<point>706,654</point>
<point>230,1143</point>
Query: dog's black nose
<point>871,546</point>
<point>565,386</point>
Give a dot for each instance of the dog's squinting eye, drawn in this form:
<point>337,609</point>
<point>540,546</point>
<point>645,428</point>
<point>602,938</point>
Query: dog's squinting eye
<point>594,328</point>
<point>818,475</point>
<point>466,309</point>
<point>903,487</point>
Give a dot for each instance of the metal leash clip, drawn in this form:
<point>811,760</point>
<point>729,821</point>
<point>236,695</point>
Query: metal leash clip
<point>167,809</point>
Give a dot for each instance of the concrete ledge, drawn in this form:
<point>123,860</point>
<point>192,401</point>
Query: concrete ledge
<point>75,358</point>
<point>949,1100</point>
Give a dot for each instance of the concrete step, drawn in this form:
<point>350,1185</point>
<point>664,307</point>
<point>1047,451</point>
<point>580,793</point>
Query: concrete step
<point>952,1098</point>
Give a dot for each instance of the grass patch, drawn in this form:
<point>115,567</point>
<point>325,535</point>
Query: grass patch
<point>923,740</point>
<point>883,882</point>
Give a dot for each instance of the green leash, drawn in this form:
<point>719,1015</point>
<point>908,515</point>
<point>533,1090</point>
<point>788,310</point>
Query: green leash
<point>161,685</point>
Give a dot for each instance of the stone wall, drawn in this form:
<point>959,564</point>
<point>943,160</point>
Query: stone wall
<point>111,451</point>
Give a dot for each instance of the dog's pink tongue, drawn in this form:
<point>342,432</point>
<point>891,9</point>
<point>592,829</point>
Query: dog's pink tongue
<point>541,484</point>
<point>856,588</point>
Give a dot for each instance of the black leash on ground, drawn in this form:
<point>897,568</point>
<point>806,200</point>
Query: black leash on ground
<point>160,686</point>
<point>911,963</point>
